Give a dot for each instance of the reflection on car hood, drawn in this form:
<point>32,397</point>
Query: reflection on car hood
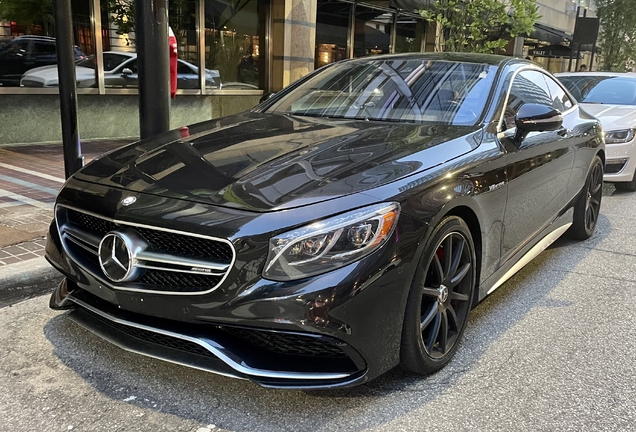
<point>613,117</point>
<point>265,162</point>
<point>48,74</point>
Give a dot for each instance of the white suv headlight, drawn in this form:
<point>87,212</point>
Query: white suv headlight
<point>330,243</point>
<point>619,136</point>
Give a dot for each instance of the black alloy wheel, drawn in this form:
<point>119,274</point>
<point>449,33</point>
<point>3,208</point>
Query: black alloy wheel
<point>588,205</point>
<point>441,298</point>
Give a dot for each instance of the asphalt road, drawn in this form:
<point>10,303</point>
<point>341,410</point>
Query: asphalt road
<point>552,349</point>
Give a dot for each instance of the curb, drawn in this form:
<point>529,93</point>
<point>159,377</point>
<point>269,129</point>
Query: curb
<point>26,279</point>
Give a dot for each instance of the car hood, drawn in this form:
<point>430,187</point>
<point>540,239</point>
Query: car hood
<point>613,117</point>
<point>48,74</point>
<point>267,162</point>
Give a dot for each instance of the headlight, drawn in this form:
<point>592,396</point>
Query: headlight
<point>620,136</point>
<point>330,243</point>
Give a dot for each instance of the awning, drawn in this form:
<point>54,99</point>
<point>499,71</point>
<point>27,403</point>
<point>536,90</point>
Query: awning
<point>548,34</point>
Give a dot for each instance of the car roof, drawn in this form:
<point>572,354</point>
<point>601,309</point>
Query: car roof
<point>35,37</point>
<point>608,74</point>
<point>491,59</point>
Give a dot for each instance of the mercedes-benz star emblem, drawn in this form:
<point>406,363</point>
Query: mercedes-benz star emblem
<point>443,294</point>
<point>115,257</point>
<point>128,201</point>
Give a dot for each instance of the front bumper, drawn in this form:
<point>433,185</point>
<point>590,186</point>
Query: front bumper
<point>620,166</point>
<point>338,329</point>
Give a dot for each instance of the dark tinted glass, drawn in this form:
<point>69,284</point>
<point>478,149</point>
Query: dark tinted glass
<point>394,90</point>
<point>183,68</point>
<point>527,87</point>
<point>560,99</point>
<point>44,48</point>
<point>619,90</point>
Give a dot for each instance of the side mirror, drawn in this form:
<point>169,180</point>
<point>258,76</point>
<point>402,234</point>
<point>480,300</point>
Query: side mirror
<point>126,72</point>
<point>536,118</point>
<point>265,97</point>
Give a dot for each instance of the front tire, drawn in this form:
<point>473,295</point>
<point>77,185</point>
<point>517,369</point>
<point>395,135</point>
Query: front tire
<point>588,204</point>
<point>440,298</point>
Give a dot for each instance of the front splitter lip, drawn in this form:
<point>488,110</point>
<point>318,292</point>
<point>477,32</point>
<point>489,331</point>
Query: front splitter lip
<point>225,362</point>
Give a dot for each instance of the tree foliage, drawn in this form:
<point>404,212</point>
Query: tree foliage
<point>618,34</point>
<point>122,15</point>
<point>483,26</point>
<point>26,13</point>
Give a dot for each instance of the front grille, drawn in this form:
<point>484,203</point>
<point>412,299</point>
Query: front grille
<point>184,252</point>
<point>286,343</point>
<point>187,246</point>
<point>175,281</point>
<point>614,167</point>
<point>94,225</point>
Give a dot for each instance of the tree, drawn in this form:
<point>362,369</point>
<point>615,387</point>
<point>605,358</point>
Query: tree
<point>483,26</point>
<point>27,13</point>
<point>618,34</point>
<point>122,15</point>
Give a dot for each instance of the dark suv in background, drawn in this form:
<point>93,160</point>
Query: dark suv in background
<point>27,52</point>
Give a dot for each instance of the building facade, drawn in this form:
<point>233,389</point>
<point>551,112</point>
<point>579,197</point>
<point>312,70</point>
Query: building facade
<point>232,51</point>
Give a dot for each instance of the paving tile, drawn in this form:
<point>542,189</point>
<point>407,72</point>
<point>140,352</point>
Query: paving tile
<point>10,260</point>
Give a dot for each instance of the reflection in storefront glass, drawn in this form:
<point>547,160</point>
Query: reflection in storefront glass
<point>409,33</point>
<point>332,27</point>
<point>232,47</point>
<point>372,31</point>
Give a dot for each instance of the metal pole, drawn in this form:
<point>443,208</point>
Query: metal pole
<point>73,159</point>
<point>352,32</point>
<point>153,64</point>
<point>96,21</point>
<point>200,16</point>
<point>393,33</point>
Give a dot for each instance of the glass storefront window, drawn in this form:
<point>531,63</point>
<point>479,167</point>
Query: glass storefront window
<point>372,31</point>
<point>409,33</point>
<point>332,31</point>
<point>30,44</point>
<point>232,43</point>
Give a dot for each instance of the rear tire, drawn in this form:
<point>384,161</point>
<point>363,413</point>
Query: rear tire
<point>440,298</point>
<point>588,203</point>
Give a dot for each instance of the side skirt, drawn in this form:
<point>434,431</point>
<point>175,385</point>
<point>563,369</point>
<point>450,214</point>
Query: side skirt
<point>531,251</point>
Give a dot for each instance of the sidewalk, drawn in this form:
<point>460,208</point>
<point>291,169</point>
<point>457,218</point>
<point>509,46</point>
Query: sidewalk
<point>30,177</point>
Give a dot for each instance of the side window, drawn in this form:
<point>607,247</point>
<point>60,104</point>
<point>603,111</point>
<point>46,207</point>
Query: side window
<point>560,99</point>
<point>44,48</point>
<point>527,87</point>
<point>184,69</point>
<point>16,47</point>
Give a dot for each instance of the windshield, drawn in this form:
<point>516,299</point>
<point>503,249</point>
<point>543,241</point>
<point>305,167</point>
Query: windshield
<point>111,61</point>
<point>394,90</point>
<point>617,90</point>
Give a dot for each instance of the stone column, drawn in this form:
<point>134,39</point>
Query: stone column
<point>293,40</point>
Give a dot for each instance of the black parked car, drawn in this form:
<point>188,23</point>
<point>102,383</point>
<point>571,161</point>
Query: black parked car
<point>28,52</point>
<point>344,226</point>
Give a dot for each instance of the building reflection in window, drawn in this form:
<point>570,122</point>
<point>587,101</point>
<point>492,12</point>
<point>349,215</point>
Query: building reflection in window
<point>232,43</point>
<point>332,28</point>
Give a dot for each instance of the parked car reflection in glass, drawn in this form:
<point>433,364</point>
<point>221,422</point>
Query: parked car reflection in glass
<point>120,70</point>
<point>25,53</point>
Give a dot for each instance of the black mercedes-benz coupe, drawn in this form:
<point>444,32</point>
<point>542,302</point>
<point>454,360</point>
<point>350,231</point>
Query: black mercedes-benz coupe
<point>344,226</point>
